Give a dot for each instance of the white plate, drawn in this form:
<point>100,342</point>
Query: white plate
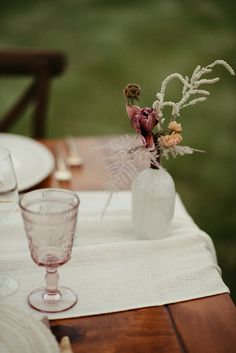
<point>20,332</point>
<point>33,162</point>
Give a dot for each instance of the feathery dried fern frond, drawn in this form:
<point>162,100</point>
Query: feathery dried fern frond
<point>127,156</point>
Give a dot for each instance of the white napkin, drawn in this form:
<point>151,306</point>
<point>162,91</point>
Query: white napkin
<point>113,271</point>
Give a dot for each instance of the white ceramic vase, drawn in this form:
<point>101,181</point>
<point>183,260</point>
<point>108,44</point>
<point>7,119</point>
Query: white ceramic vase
<point>153,202</point>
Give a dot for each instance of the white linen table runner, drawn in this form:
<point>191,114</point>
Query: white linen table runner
<point>110,269</point>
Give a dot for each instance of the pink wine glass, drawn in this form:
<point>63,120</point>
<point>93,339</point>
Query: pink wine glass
<point>50,219</point>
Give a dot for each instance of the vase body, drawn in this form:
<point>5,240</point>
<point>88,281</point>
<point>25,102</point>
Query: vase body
<point>153,202</point>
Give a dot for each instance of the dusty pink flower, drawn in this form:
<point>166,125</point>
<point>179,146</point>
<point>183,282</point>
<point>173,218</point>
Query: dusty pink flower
<point>143,120</point>
<point>132,110</point>
<point>171,140</point>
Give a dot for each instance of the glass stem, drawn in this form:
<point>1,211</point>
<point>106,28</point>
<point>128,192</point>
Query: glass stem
<point>51,278</point>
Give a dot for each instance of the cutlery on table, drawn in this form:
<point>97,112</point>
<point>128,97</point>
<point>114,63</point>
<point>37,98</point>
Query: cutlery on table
<point>62,173</point>
<point>65,345</point>
<point>73,159</point>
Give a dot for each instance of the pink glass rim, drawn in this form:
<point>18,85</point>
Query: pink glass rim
<point>72,193</point>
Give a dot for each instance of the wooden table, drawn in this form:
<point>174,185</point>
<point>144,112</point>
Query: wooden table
<point>206,325</point>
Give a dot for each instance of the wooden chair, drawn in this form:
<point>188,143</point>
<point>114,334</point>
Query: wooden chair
<point>42,66</point>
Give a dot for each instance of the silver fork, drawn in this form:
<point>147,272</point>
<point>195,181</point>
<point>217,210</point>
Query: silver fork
<point>62,173</point>
<point>73,159</point>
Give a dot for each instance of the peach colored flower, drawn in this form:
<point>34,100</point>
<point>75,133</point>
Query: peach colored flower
<point>174,126</point>
<point>171,140</point>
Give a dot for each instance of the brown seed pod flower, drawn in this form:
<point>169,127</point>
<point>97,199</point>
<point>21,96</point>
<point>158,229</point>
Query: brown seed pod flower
<point>132,92</point>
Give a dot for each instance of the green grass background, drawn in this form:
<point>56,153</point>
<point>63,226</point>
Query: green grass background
<point>112,42</point>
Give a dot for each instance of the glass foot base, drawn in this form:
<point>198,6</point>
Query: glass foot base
<point>8,286</point>
<point>64,301</point>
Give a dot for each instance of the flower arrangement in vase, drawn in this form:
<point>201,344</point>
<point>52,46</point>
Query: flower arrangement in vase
<point>153,190</point>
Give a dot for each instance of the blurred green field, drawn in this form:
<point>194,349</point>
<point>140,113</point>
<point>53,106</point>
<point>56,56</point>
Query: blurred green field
<point>112,42</point>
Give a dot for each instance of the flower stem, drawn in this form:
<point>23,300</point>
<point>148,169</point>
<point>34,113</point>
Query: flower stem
<point>158,159</point>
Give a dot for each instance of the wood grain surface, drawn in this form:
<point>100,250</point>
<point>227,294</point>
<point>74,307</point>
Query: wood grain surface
<point>206,325</point>
<point>146,330</point>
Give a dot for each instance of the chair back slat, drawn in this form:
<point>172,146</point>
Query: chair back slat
<point>42,66</point>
